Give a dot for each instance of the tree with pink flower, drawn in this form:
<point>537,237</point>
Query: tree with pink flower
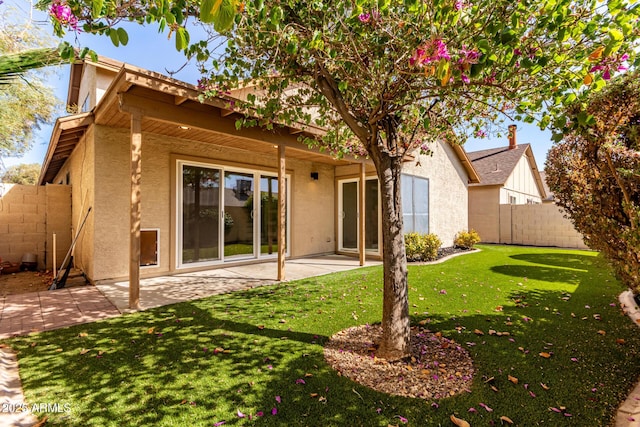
<point>386,77</point>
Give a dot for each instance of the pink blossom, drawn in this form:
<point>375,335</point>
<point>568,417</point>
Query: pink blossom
<point>63,14</point>
<point>431,51</point>
<point>364,17</point>
<point>481,133</point>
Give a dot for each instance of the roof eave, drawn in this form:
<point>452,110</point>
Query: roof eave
<point>62,124</point>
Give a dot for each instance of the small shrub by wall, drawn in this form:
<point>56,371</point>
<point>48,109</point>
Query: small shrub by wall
<point>421,247</point>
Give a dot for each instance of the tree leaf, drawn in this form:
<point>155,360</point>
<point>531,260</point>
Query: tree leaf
<point>208,10</point>
<point>96,8</point>
<point>113,34</point>
<point>123,37</point>
<point>459,421</point>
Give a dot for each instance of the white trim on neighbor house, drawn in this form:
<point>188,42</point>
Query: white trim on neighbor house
<point>256,174</point>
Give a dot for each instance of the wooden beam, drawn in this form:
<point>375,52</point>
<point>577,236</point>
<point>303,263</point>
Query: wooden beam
<point>282,210</point>
<point>135,211</point>
<point>362,214</point>
<point>224,112</point>
<point>179,100</point>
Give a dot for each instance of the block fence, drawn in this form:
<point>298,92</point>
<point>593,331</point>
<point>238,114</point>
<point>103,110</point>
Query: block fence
<point>537,225</point>
<point>29,216</point>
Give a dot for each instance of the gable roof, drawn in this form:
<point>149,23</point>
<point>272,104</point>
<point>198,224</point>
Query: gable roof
<point>550,197</point>
<point>177,102</point>
<point>496,165</point>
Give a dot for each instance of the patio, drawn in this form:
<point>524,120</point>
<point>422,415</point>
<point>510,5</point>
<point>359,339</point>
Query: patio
<point>41,311</point>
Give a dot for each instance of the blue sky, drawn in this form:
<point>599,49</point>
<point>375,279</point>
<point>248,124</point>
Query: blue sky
<point>150,50</point>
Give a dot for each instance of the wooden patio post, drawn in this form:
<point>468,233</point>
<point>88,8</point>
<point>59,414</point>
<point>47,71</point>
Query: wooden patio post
<point>362,214</point>
<point>135,205</point>
<point>282,211</point>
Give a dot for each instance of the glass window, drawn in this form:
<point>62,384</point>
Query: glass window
<point>415,204</point>
<point>200,214</point>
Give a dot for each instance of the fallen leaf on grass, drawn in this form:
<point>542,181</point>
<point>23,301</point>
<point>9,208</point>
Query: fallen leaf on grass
<point>620,341</point>
<point>459,421</point>
<point>485,407</point>
<point>506,419</point>
<point>478,332</point>
<point>512,379</point>
<point>240,414</point>
<point>84,351</point>
<point>41,422</point>
<point>545,354</point>
<point>544,386</point>
<point>601,332</point>
<point>83,334</point>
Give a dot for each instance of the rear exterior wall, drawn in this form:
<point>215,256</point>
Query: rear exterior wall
<point>312,202</point>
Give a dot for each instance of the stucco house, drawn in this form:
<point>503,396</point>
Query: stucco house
<point>175,187</point>
<point>508,175</point>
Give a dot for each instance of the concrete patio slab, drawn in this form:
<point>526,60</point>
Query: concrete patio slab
<point>165,290</point>
<point>42,311</point>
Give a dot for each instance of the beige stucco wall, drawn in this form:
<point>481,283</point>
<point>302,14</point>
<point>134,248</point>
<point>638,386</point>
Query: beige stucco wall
<point>80,170</point>
<point>312,202</point>
<point>29,215</point>
<point>538,225</point>
<point>484,212</point>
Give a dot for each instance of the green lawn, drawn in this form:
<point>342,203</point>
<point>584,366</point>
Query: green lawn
<point>199,363</point>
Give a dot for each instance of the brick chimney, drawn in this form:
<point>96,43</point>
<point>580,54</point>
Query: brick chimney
<point>512,137</point>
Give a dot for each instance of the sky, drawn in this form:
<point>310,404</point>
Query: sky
<point>153,51</point>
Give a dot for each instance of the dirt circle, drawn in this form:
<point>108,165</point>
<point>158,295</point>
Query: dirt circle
<point>439,367</point>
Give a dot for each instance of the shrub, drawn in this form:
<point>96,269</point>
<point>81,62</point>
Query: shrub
<point>421,247</point>
<point>466,239</point>
<point>593,173</point>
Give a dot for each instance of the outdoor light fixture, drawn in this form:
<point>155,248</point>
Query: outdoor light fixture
<point>314,176</point>
<point>184,127</point>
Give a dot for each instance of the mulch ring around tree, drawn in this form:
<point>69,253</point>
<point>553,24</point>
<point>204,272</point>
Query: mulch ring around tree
<point>438,367</point>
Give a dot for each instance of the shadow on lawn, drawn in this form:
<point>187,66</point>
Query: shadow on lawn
<point>198,363</point>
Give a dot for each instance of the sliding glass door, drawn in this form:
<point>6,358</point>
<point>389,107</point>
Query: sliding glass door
<point>238,215</point>
<point>226,214</point>
<point>349,217</point>
<point>200,214</point>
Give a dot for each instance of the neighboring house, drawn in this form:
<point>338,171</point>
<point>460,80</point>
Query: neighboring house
<point>550,198</point>
<point>208,193</point>
<point>508,175</point>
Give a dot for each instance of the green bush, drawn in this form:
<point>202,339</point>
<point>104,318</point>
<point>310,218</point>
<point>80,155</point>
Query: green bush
<point>421,247</point>
<point>466,239</point>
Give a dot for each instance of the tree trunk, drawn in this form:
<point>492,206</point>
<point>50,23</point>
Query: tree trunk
<point>395,307</point>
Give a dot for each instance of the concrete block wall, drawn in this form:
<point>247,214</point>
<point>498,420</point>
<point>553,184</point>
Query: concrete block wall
<point>537,225</point>
<point>29,215</point>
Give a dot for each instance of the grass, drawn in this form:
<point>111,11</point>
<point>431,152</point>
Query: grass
<point>198,363</point>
